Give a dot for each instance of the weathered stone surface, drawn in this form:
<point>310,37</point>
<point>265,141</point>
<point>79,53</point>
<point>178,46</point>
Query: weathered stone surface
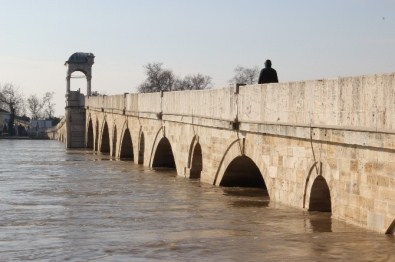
<point>342,130</point>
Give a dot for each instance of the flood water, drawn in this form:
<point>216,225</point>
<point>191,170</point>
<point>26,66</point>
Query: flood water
<point>73,205</point>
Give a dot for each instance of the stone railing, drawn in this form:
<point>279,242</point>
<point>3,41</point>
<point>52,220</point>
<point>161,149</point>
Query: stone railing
<point>365,103</point>
<point>53,132</point>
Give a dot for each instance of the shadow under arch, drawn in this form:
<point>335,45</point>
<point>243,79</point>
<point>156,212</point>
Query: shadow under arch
<point>195,158</point>
<point>391,229</point>
<point>308,179</point>
<point>97,137</point>
<point>126,146</point>
<point>89,138</point>
<point>141,148</point>
<point>164,155</point>
<point>320,197</point>
<point>243,172</point>
<point>196,162</point>
<point>105,139</point>
<point>114,141</point>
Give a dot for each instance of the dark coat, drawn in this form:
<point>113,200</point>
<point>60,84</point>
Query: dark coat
<point>268,75</point>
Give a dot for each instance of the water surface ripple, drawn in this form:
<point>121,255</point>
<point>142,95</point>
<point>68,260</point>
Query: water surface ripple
<point>73,205</point>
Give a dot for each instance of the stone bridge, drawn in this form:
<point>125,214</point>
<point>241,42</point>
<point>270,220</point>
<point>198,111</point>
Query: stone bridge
<point>325,145</point>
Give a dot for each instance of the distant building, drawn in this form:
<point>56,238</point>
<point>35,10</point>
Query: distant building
<point>4,118</point>
<point>37,127</point>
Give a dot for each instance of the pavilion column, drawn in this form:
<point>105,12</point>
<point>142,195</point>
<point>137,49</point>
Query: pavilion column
<point>88,87</point>
<point>68,84</point>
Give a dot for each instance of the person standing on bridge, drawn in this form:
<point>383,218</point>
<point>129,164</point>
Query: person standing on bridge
<point>268,74</point>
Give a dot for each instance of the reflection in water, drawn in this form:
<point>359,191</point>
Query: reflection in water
<point>246,197</point>
<point>75,205</point>
<point>246,192</point>
<point>320,221</point>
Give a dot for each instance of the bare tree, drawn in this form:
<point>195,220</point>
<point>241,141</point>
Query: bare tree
<point>48,105</point>
<point>158,79</point>
<point>35,106</point>
<point>245,75</point>
<point>193,82</point>
<point>41,108</point>
<point>12,99</point>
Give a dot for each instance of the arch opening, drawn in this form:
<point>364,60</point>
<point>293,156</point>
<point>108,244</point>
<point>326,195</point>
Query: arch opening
<point>80,62</point>
<point>114,141</point>
<point>127,146</point>
<point>320,197</point>
<point>243,172</point>
<point>141,149</point>
<point>97,136</point>
<point>391,229</point>
<point>164,155</point>
<point>197,162</point>
<point>78,81</point>
<point>105,140</point>
<point>89,139</point>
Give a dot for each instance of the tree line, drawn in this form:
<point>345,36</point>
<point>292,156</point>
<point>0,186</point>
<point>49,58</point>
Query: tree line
<point>13,101</point>
<point>159,79</point>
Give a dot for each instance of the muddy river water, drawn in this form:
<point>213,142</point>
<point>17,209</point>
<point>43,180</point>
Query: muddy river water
<point>74,205</point>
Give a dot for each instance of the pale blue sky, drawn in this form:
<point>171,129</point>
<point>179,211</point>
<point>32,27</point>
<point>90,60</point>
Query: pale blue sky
<point>305,39</point>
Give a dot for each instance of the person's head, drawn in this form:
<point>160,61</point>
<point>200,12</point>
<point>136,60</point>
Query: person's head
<point>268,63</point>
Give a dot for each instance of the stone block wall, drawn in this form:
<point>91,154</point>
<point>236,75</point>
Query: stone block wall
<point>341,131</point>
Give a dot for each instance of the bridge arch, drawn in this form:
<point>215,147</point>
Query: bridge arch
<point>114,141</point>
<point>162,153</point>
<point>236,166</point>
<point>243,172</point>
<point>105,139</point>
<point>314,171</point>
<point>391,229</point>
<point>317,194</point>
<point>195,159</point>
<point>141,148</point>
<point>89,137</point>
<point>320,197</point>
<point>96,146</point>
<point>126,146</point>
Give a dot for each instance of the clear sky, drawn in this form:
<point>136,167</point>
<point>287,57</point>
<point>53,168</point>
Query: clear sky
<point>305,39</point>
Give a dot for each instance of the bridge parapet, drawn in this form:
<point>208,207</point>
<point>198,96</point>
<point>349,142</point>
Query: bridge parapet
<point>216,104</point>
<point>365,102</point>
<point>132,103</point>
<point>150,104</point>
<point>357,104</point>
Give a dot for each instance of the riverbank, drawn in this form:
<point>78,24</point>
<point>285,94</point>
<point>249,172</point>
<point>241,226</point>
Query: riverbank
<point>23,138</point>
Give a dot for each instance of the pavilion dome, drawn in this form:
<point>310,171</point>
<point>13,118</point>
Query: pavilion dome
<point>80,57</point>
